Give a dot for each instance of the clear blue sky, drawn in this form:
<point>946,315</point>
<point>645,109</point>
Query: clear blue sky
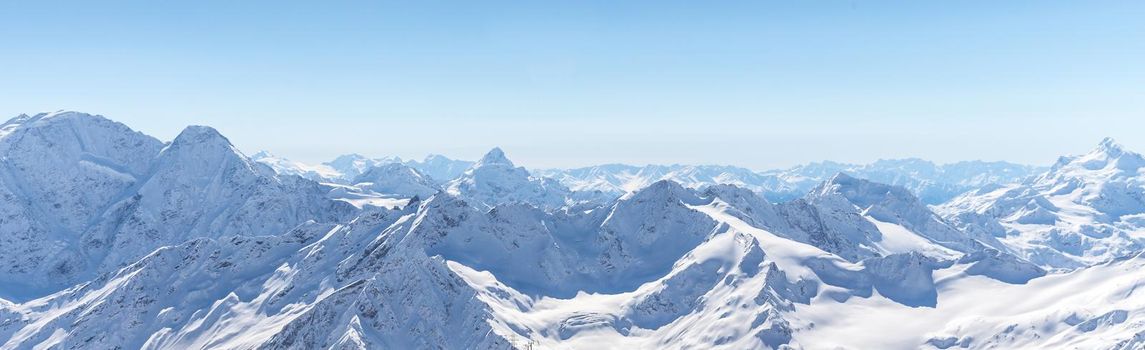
<point>564,83</point>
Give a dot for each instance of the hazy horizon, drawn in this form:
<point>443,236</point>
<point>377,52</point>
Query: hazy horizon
<point>510,153</point>
<point>757,85</point>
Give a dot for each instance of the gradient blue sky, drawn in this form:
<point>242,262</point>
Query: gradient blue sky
<point>566,83</point>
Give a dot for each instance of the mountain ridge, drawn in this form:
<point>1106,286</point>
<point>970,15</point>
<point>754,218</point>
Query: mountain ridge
<point>192,244</point>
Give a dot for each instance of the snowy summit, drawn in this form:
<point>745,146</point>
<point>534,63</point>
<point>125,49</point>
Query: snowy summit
<point>114,239</point>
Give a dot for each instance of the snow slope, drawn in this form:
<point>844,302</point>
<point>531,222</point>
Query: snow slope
<point>1084,210</point>
<point>85,195</point>
<point>190,244</point>
<point>664,266</point>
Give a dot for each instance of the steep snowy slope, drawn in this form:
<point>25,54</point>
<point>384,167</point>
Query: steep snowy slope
<point>362,285</point>
<point>664,266</point>
<point>125,242</point>
<point>858,219</point>
<point>1099,307</point>
<point>201,186</point>
<point>86,195</point>
<point>1084,210</point>
<point>58,173</point>
<point>357,285</point>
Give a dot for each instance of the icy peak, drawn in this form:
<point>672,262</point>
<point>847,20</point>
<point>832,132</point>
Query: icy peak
<point>201,143</point>
<point>200,135</point>
<point>1109,149</point>
<point>841,178</point>
<point>1109,145</point>
<point>1107,154</point>
<point>495,156</point>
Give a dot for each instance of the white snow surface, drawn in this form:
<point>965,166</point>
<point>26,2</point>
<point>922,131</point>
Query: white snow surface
<point>1084,210</point>
<point>112,239</point>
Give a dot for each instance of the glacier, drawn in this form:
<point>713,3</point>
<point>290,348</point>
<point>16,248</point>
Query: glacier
<point>110,238</point>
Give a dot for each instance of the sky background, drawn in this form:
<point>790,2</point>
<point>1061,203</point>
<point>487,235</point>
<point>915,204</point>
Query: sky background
<point>761,84</point>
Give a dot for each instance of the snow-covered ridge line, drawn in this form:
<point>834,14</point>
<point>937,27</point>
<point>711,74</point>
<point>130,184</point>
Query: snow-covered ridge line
<point>933,183</point>
<point>113,239</point>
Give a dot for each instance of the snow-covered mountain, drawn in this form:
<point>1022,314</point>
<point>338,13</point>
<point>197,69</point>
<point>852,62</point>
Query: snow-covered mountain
<point>1085,209</point>
<point>496,180</point>
<point>619,178</point>
<point>84,195</point>
<point>346,168</point>
<point>441,273</point>
<point>190,244</point>
<point>931,182</point>
<point>319,172</point>
<point>396,179</point>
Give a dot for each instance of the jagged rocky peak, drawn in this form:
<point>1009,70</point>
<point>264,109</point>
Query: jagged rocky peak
<point>1109,145</point>
<point>201,136</point>
<point>1108,153</point>
<point>495,180</point>
<point>495,157</point>
<point>203,150</point>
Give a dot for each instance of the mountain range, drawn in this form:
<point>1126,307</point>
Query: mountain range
<point>110,238</point>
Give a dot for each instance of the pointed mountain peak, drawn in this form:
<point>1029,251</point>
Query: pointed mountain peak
<point>1109,146</point>
<point>841,178</point>
<point>1108,153</point>
<point>495,156</point>
<point>198,134</point>
<point>834,183</point>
